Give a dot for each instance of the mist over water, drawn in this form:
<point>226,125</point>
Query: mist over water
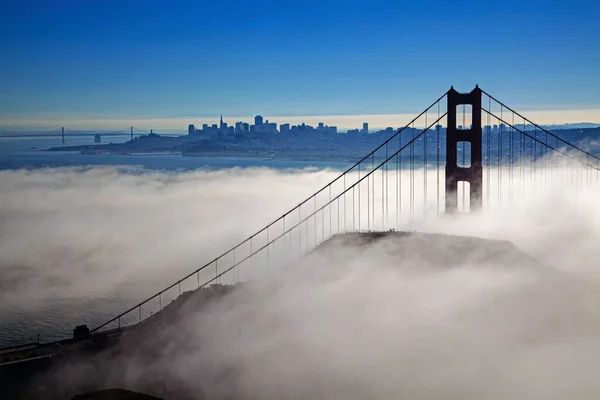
<point>348,321</point>
<point>101,239</point>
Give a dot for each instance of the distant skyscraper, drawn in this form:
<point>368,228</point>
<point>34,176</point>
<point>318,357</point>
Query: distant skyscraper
<point>365,128</point>
<point>258,120</point>
<point>267,127</point>
<point>239,127</point>
<point>191,129</point>
<point>222,125</point>
<point>273,127</point>
<point>283,128</point>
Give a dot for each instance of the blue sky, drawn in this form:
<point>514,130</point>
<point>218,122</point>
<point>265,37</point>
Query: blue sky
<point>106,60</point>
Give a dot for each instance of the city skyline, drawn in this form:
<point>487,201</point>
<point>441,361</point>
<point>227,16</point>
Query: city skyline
<point>263,125</point>
<point>342,122</point>
<point>71,61</point>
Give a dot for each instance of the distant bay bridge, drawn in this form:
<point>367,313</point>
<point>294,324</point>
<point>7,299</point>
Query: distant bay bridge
<point>65,133</point>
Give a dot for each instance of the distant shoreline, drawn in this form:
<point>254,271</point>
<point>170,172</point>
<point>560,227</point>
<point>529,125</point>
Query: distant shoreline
<point>295,148</point>
<point>229,155</point>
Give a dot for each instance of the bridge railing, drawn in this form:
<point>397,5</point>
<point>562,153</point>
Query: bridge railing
<point>370,195</point>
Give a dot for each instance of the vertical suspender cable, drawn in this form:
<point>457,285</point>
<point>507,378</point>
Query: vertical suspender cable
<point>521,164</point>
<point>545,163</point>
<point>345,213</point>
<point>534,144</point>
<point>397,191</point>
<point>359,185</point>
<point>500,155</point>
<point>509,160</point>
<point>399,184</point>
<point>323,223</point>
<point>382,194</point>
<point>386,186</point>
<point>489,183</point>
<point>284,235</point>
<point>268,251</point>
<point>373,185</point>
<point>306,235</point>
<point>353,223</point>
<point>425,166</point>
<point>315,221</point>
<point>330,207</point>
<point>412,170</point>
<point>338,213</point>
<point>559,167</point>
<point>368,202</point>
<point>437,129</point>
<point>533,148</point>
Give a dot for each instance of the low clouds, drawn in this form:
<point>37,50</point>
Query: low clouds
<point>109,233</point>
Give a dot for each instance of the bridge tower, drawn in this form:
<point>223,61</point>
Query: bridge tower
<point>472,173</point>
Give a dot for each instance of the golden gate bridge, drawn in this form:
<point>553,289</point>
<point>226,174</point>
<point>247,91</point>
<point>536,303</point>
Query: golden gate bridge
<point>422,171</point>
<point>419,172</point>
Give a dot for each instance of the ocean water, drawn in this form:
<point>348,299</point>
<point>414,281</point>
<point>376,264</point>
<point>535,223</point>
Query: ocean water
<point>31,152</point>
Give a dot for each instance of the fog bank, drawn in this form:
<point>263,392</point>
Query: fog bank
<point>354,322</point>
<point>76,243</point>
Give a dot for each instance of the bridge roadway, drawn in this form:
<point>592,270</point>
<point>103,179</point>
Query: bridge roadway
<point>38,352</point>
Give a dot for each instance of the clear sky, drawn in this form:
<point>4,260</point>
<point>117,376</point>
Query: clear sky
<point>188,61</point>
